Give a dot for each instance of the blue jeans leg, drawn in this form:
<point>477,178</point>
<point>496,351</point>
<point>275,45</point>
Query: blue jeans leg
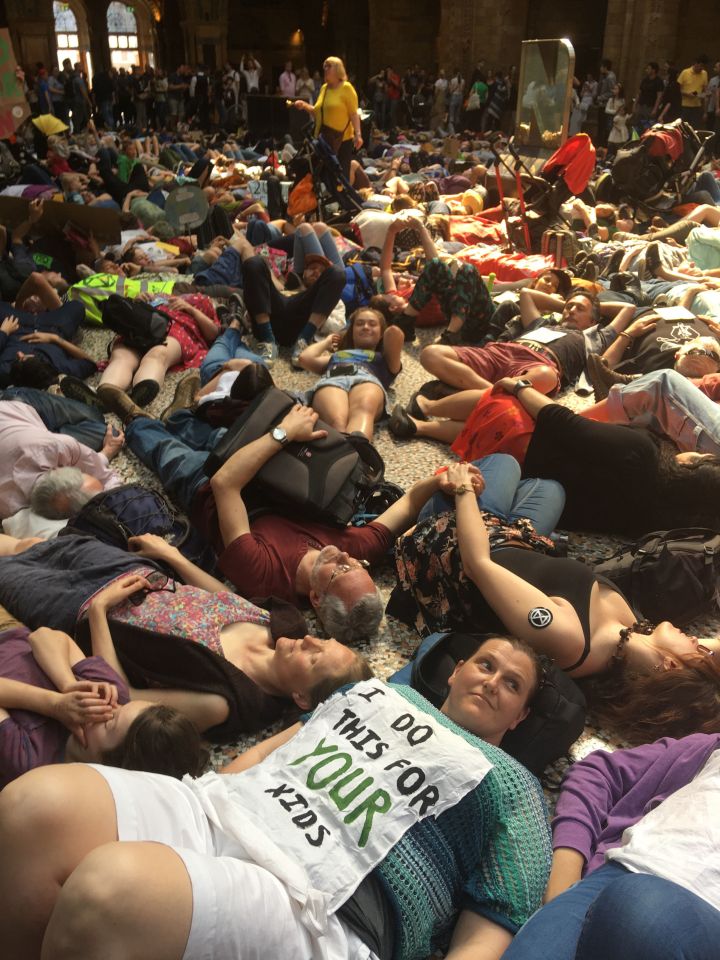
<point>644,917</point>
<point>191,430</point>
<point>179,467</point>
<point>227,270</point>
<point>553,932</point>
<point>310,242</point>
<point>228,346</point>
<point>508,496</point>
<point>668,403</point>
<point>62,415</point>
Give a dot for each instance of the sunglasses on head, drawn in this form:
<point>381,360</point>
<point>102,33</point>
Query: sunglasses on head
<point>158,581</point>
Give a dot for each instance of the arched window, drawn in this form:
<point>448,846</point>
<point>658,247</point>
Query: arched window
<point>122,35</point>
<point>66,32</point>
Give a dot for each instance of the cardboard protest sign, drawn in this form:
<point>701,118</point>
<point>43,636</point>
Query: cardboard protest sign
<point>14,107</point>
<point>343,791</point>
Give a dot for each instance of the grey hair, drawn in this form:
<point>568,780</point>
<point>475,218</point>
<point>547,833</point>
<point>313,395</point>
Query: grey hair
<point>58,494</point>
<point>355,625</point>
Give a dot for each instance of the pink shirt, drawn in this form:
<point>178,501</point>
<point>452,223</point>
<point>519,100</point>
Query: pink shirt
<point>28,449</point>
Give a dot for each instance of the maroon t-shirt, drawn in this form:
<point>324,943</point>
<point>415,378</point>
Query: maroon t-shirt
<point>264,562</point>
<point>29,739</point>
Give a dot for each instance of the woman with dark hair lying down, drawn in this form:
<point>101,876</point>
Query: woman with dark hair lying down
<point>49,689</point>
<point>457,571</point>
<point>618,479</point>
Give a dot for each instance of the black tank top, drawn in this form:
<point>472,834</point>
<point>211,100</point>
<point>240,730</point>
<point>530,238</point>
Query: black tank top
<point>556,577</point>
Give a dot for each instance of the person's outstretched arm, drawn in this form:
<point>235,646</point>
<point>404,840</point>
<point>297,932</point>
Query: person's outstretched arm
<point>234,475</point>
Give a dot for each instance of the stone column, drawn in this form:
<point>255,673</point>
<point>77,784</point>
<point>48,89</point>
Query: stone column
<point>98,34</point>
<point>637,31</point>
<point>489,30</point>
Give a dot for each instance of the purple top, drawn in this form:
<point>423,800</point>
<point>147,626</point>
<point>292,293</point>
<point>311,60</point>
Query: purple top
<point>29,739</point>
<point>606,793</point>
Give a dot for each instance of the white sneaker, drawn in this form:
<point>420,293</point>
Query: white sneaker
<point>300,345</point>
<point>268,350</point>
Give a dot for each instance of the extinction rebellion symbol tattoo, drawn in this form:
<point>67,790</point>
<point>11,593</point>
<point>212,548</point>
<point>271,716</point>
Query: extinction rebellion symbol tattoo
<point>540,617</point>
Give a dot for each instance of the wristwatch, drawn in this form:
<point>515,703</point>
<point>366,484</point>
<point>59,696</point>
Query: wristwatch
<point>461,489</point>
<point>521,385</point>
<point>278,433</point>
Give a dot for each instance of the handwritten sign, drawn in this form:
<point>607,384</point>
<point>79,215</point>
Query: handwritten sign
<point>339,795</point>
<point>14,107</point>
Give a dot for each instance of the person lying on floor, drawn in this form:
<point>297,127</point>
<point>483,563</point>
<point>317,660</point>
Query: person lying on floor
<point>57,704</point>
<point>550,357</point>
<point>463,570</point>
<point>636,825</point>
<point>176,888</point>
<point>167,631</point>
<point>616,480</point>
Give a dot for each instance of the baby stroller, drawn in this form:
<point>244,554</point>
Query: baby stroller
<point>336,200</point>
<point>540,196</point>
<point>657,170</point>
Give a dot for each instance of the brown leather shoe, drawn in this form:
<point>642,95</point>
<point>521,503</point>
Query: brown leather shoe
<point>185,392</point>
<point>118,402</point>
<point>602,377</point>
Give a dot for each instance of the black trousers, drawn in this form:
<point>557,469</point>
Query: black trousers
<point>288,315</point>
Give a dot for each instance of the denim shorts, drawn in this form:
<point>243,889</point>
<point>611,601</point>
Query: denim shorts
<point>346,384</point>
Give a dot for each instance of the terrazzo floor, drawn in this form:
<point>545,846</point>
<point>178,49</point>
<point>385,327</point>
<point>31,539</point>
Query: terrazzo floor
<point>406,462</point>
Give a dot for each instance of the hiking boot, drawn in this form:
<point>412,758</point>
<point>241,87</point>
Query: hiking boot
<point>118,402</point>
<point>185,392</point>
<point>76,389</point>
<point>602,377</point>
<point>267,350</point>
<point>400,425</point>
<point>144,392</point>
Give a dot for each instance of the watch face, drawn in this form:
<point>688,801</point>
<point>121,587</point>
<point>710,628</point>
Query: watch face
<point>279,434</point>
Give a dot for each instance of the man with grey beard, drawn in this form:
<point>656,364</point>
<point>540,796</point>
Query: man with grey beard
<point>296,560</point>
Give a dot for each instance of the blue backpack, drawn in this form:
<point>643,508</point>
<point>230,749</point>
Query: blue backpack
<point>358,287</point>
<point>131,510</point>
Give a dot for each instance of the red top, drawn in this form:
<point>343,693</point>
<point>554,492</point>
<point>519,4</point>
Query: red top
<point>264,562</point>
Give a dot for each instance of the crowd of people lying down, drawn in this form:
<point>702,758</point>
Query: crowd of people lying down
<point>576,395</point>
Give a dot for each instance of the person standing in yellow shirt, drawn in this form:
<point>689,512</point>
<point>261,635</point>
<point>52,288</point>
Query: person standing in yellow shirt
<point>335,111</point>
<point>693,81</point>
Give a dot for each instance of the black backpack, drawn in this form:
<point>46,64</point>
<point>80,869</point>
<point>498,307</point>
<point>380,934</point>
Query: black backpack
<point>131,510</point>
<point>557,714</point>
<point>636,174</point>
<point>668,575</point>
<point>139,324</point>
<point>327,480</point>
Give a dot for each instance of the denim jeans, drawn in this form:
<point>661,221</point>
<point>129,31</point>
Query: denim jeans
<point>229,346</point>
<point>175,451</point>
<point>227,269</point>
<point>62,415</point>
<point>505,494</point>
<point>307,243</point>
<point>705,184</point>
<point>616,915</point>
<point>667,403</point>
